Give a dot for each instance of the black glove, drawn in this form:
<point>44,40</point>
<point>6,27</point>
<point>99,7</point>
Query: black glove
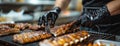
<point>91,15</point>
<point>50,17</point>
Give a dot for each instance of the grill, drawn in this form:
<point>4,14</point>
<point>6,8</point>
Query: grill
<point>7,40</point>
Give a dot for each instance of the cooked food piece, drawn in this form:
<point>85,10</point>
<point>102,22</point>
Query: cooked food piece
<point>4,27</point>
<point>30,36</point>
<point>21,26</point>
<point>62,29</point>
<point>82,33</point>
<point>15,28</point>
<point>6,31</point>
<point>59,30</point>
<point>90,44</point>
<point>65,40</point>
<point>10,25</point>
<point>35,27</point>
<point>56,31</point>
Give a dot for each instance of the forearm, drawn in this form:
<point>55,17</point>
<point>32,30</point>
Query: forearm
<point>114,7</point>
<point>62,4</point>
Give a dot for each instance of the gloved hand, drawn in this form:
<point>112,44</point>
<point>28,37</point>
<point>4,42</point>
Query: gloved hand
<point>50,17</point>
<point>91,15</point>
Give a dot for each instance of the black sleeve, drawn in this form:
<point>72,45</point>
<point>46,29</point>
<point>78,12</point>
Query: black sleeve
<point>95,3</point>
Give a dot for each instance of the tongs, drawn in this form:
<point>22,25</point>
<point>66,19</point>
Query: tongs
<point>46,22</point>
<point>47,27</point>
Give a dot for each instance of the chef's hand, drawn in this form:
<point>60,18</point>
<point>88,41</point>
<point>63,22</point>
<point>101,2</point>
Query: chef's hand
<point>49,17</point>
<point>91,15</point>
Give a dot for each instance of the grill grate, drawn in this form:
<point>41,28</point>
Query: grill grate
<point>94,36</point>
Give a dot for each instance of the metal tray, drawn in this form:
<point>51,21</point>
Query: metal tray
<point>107,42</point>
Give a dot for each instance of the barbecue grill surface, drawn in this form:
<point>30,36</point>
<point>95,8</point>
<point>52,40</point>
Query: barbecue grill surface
<point>7,40</point>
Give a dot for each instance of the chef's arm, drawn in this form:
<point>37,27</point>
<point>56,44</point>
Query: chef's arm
<point>50,17</point>
<point>62,4</point>
<point>114,7</point>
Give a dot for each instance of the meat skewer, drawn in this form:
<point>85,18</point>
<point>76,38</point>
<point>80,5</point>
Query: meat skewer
<point>30,36</point>
<point>66,40</point>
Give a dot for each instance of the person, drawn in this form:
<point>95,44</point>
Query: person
<point>105,14</point>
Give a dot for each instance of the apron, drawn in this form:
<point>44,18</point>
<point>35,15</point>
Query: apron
<point>108,24</point>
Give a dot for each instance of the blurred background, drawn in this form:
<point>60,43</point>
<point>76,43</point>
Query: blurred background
<point>31,10</point>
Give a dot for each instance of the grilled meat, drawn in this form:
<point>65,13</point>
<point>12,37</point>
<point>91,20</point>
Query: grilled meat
<point>23,26</point>
<point>66,40</point>
<point>62,29</point>
<point>30,36</point>
<point>6,30</point>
